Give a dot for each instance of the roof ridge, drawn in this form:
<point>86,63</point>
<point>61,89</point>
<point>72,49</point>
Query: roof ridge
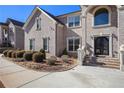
<point>16,22</point>
<point>51,15</point>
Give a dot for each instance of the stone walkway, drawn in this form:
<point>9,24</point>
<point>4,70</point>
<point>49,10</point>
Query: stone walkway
<point>15,76</point>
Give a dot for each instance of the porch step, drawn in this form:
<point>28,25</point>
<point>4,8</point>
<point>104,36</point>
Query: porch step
<point>103,62</point>
<point>111,66</point>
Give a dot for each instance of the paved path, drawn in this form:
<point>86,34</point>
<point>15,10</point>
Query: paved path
<point>13,75</point>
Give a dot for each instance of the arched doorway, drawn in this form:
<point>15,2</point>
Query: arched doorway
<point>101,46</point>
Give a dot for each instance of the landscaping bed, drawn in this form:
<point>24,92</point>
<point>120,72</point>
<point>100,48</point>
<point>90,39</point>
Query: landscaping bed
<point>58,67</point>
<point>39,62</point>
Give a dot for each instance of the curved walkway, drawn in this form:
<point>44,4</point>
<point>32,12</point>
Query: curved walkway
<point>13,75</point>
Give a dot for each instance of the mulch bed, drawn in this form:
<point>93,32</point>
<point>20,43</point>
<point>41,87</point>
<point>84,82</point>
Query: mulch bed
<point>58,67</point>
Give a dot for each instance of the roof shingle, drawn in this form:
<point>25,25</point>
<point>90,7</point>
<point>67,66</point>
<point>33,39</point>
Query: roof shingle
<point>15,22</point>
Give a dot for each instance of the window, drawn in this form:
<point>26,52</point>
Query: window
<point>5,31</point>
<point>73,43</point>
<point>38,23</point>
<point>45,44</point>
<point>101,17</point>
<point>74,21</point>
<point>32,44</point>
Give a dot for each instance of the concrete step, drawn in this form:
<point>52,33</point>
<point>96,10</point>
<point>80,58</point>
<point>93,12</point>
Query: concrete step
<point>105,62</point>
<point>111,66</point>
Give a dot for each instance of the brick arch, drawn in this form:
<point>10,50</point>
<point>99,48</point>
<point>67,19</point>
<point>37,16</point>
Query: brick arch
<point>90,7</point>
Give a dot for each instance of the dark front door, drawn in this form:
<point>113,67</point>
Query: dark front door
<point>101,45</point>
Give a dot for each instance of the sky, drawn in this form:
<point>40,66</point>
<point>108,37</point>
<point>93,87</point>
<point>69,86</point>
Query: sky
<point>21,12</point>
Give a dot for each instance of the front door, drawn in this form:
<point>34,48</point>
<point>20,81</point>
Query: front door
<point>101,45</point>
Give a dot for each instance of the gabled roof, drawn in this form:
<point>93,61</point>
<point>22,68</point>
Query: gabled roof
<point>54,17</point>
<point>15,22</point>
<point>1,23</point>
<point>43,11</point>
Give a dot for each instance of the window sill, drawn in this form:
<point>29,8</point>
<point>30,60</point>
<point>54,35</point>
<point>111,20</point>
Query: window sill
<point>74,27</point>
<point>101,26</point>
<point>47,51</point>
<point>72,51</point>
<point>38,29</point>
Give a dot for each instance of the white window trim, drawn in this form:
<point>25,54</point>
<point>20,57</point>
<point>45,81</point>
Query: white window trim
<point>110,44</point>
<point>109,20</point>
<point>73,26</point>
<point>47,43</point>
<point>67,40</point>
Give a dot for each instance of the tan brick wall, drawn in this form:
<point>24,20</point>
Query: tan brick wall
<point>71,32</point>
<point>19,37</point>
<point>48,29</point>
<point>121,27</point>
<point>108,30</point>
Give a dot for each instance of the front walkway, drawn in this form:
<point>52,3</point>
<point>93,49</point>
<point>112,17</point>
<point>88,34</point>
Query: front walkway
<point>13,75</point>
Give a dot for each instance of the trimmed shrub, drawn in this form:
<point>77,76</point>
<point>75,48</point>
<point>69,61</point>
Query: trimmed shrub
<point>65,58</point>
<point>38,57</point>
<point>19,54</point>
<point>14,54</point>
<point>28,55</point>
<point>44,53</point>
<point>51,60</point>
<point>9,53</point>
<point>5,53</point>
<point>65,52</point>
<point>2,49</point>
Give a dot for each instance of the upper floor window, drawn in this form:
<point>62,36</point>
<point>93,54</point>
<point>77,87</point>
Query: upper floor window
<point>38,23</point>
<point>74,21</point>
<point>101,17</point>
<point>5,31</point>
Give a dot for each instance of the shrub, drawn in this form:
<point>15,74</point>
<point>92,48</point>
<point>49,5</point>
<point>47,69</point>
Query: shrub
<point>14,54</point>
<point>19,54</point>
<point>44,53</point>
<point>38,57</point>
<point>28,55</point>
<point>2,49</point>
<point>65,58</point>
<point>9,53</point>
<point>5,53</point>
<point>65,52</point>
<point>51,60</point>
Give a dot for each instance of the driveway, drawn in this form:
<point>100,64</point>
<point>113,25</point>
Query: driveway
<point>15,76</point>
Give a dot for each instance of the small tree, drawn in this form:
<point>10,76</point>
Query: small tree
<point>65,52</point>
<point>44,53</point>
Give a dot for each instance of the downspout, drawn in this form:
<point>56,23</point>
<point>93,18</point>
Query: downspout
<point>118,32</point>
<point>56,38</point>
<point>85,34</point>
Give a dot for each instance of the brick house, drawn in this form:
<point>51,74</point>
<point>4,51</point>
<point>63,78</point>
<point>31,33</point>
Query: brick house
<point>12,34</point>
<point>99,28</point>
